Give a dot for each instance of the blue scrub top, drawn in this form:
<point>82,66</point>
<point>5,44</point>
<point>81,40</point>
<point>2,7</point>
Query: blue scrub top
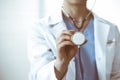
<point>85,59</point>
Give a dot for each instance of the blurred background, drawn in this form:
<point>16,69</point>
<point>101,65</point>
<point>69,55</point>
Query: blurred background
<point>17,16</point>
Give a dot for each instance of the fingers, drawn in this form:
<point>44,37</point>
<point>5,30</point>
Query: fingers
<point>65,36</point>
<point>65,43</point>
<point>68,32</point>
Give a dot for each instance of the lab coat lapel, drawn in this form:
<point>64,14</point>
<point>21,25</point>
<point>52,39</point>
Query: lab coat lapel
<point>57,29</point>
<point>57,24</point>
<point>101,31</point>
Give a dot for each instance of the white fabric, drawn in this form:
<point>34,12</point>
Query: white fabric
<point>42,49</point>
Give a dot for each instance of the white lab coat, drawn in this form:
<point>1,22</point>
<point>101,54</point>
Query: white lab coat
<point>42,49</point>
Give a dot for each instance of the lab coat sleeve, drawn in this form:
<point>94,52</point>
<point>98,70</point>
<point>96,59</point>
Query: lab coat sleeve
<point>40,55</point>
<point>115,75</point>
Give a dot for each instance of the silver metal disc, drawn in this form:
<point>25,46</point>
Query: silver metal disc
<point>78,38</point>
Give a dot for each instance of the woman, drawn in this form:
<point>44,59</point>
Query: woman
<point>55,55</point>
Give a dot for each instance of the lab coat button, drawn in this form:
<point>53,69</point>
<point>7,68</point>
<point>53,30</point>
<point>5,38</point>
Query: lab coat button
<point>54,57</point>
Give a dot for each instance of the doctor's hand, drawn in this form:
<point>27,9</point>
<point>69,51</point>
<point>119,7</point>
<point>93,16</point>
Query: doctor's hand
<point>66,51</point>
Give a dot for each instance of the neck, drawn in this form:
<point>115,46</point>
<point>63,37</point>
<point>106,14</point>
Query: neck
<point>76,11</point>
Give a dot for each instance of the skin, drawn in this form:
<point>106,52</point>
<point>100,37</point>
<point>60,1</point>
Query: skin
<point>65,48</point>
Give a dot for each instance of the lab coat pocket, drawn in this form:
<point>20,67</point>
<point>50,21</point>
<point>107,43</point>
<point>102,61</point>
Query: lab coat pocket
<point>109,42</point>
<point>110,46</point>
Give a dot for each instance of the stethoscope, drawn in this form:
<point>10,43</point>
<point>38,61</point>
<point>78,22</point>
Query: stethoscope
<point>78,38</point>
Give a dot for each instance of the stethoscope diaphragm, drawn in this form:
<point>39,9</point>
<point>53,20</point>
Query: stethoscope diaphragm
<point>78,38</point>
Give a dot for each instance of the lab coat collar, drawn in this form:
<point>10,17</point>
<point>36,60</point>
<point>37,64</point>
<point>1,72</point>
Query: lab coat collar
<point>56,17</point>
<point>57,24</point>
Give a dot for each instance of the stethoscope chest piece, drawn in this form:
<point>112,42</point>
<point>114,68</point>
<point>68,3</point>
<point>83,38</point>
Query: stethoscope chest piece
<point>78,38</point>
